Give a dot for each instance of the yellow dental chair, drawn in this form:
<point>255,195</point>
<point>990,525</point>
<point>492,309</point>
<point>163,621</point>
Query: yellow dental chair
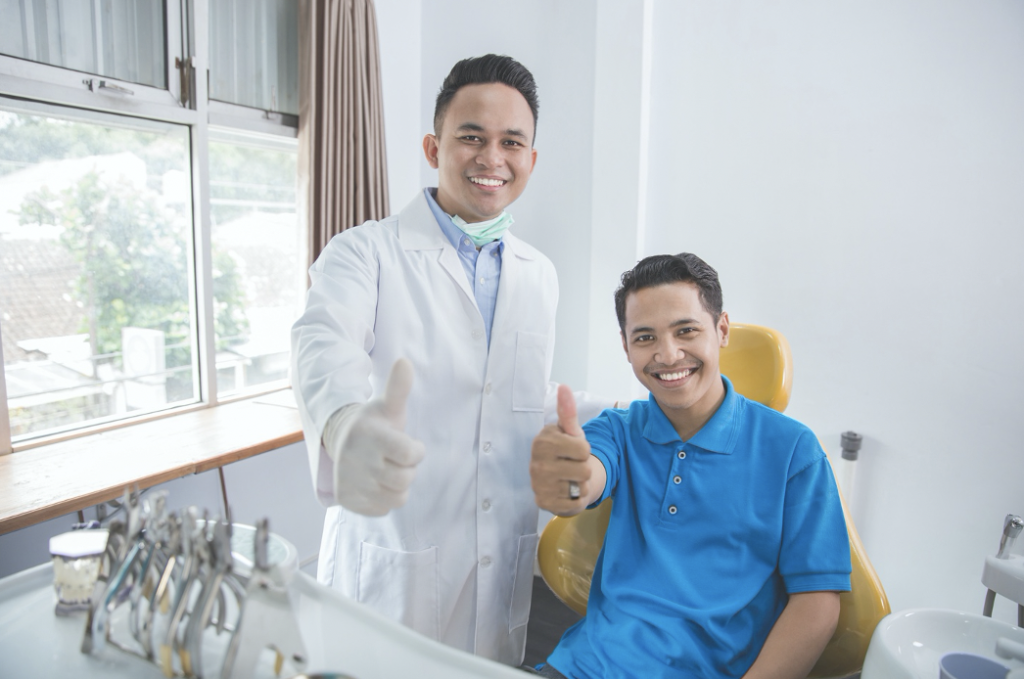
<point>760,366</point>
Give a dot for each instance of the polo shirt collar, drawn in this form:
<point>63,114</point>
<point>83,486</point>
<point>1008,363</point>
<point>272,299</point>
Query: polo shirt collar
<point>718,435</point>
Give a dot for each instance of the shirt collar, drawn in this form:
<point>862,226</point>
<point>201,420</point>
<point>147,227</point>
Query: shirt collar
<point>453,233</point>
<point>718,435</point>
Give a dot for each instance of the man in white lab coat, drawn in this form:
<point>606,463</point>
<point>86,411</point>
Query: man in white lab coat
<point>421,369</point>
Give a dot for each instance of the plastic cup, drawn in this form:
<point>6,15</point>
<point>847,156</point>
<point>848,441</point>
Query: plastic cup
<point>970,666</point>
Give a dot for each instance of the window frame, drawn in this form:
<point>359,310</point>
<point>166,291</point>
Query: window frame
<point>41,86</point>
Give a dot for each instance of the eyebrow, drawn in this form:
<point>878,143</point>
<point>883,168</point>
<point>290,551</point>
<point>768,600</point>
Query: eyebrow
<point>474,127</point>
<point>682,321</point>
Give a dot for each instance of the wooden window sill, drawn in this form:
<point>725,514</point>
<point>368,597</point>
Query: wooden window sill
<point>59,478</point>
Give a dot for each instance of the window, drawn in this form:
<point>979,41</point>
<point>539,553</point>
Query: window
<point>150,251</point>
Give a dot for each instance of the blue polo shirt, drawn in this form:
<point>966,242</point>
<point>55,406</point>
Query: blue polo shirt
<point>706,539</point>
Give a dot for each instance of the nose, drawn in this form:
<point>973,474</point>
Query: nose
<point>490,154</point>
<point>667,351</point>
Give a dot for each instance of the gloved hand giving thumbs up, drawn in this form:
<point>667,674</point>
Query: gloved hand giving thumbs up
<point>374,459</point>
<point>564,475</point>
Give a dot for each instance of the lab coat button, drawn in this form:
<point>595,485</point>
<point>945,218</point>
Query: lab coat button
<point>486,504</point>
<point>477,334</point>
<point>487,446</point>
<point>682,454</point>
<point>672,509</point>
<point>486,561</point>
<point>487,388</point>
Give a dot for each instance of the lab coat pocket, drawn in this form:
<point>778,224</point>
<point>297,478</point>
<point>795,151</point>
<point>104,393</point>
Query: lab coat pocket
<point>400,585</point>
<point>529,381</point>
<point>522,589</point>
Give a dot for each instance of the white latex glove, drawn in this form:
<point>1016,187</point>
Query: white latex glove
<point>374,459</point>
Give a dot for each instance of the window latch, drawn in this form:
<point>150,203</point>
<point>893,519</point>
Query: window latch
<point>104,86</point>
<point>185,68</point>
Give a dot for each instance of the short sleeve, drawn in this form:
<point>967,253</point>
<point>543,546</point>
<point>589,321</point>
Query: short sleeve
<point>815,551</point>
<point>606,444</point>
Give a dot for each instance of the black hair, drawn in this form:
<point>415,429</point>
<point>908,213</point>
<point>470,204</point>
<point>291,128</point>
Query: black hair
<point>663,269</point>
<point>490,68</point>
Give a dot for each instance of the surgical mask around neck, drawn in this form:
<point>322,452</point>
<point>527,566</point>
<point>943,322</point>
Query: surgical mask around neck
<point>482,233</point>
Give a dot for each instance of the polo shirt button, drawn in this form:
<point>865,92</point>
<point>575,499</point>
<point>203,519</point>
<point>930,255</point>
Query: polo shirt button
<point>486,561</point>
<point>677,479</point>
<point>486,504</point>
<point>487,446</point>
<point>672,509</point>
<point>682,454</point>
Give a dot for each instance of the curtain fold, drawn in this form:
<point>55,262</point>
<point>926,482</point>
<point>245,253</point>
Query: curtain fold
<point>342,163</point>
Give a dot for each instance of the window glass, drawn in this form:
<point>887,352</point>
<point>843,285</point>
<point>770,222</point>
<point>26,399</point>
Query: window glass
<point>256,243</point>
<point>254,53</point>
<point>95,295</point>
<point>123,39</point>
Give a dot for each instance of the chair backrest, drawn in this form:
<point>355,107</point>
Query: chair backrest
<point>760,366</point>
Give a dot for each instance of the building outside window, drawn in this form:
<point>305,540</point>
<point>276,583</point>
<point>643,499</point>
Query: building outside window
<point>150,250</point>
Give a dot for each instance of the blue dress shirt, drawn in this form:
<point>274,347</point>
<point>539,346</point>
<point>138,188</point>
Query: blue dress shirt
<point>483,271</point>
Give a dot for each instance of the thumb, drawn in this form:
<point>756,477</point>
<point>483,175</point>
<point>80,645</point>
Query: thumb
<point>396,392</point>
<point>567,420</point>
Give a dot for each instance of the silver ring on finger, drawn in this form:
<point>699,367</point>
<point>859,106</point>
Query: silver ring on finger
<point>574,490</point>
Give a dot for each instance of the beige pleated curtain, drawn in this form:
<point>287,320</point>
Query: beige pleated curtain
<point>342,166</point>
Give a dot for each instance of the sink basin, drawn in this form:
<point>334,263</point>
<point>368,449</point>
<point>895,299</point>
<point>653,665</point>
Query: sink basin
<point>909,644</point>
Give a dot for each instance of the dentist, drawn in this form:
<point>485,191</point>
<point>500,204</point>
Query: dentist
<point>421,369</point>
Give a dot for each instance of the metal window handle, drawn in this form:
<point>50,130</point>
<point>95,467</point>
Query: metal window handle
<point>95,86</point>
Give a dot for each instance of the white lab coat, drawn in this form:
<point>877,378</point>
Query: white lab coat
<point>456,562</point>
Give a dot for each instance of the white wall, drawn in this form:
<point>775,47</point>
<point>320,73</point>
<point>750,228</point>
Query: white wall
<point>399,25</point>
<point>854,171</point>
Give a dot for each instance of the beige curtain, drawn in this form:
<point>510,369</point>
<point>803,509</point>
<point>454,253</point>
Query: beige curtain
<point>342,166</point>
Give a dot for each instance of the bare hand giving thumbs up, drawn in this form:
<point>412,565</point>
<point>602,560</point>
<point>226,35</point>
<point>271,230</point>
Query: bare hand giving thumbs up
<point>374,459</point>
<point>564,475</point>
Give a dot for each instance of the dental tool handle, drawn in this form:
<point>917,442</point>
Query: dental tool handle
<point>990,601</point>
<point>1011,529</point>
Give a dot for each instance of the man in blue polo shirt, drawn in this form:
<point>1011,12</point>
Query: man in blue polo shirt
<point>726,549</point>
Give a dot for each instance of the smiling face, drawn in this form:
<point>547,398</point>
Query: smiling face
<point>672,342</point>
<point>483,151</point>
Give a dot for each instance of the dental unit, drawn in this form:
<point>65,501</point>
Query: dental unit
<point>1004,573</point>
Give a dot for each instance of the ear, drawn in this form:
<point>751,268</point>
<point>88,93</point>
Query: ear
<point>533,159</point>
<point>723,329</point>
<point>624,347</point>
<point>430,147</point>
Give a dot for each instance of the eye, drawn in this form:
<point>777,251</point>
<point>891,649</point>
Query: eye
<point>512,142</point>
<point>686,331</point>
<point>470,138</point>
<point>639,339</point>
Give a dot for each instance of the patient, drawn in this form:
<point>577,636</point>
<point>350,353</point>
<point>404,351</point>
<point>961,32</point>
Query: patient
<point>727,548</point>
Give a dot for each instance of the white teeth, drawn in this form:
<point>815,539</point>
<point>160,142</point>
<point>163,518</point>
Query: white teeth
<point>668,377</point>
<point>483,181</point>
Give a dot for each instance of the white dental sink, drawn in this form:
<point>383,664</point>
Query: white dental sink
<point>909,644</point>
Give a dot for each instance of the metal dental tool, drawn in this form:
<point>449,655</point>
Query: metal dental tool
<point>267,618</point>
<point>1004,573</point>
<point>176,574</point>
